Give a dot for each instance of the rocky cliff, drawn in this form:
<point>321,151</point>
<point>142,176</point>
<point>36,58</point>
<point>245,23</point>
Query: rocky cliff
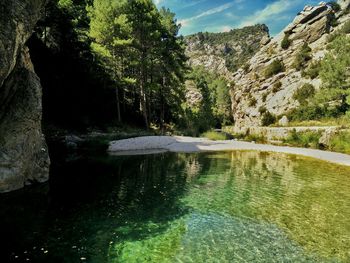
<point>23,152</point>
<point>225,52</point>
<point>272,77</point>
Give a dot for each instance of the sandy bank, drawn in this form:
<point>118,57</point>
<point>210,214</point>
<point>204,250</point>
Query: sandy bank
<point>154,144</point>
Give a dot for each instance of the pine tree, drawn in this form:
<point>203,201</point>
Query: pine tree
<point>111,31</point>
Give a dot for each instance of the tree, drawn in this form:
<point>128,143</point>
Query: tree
<point>172,65</point>
<point>146,31</point>
<point>111,31</point>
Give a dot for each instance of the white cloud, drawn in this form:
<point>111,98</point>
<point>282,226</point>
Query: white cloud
<point>225,29</point>
<point>215,10</point>
<point>157,2</point>
<point>268,12</point>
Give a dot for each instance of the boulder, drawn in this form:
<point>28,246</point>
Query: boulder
<point>283,121</point>
<point>23,152</point>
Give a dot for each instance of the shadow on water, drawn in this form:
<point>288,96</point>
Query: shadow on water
<point>86,200</point>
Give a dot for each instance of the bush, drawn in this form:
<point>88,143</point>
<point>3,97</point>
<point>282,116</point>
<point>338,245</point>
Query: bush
<point>262,110</point>
<point>255,138</point>
<point>304,139</point>
<point>252,102</point>
<point>274,68</point>
<point>264,97</point>
<point>335,6</point>
<point>268,118</point>
<point>277,87</point>
<point>215,136</point>
<point>286,42</point>
<point>246,67</point>
<point>340,142</point>
<point>346,28</point>
<point>302,57</point>
<point>312,71</point>
<point>304,93</point>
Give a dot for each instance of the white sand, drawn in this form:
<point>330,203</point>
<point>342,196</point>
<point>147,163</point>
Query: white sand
<point>153,144</point>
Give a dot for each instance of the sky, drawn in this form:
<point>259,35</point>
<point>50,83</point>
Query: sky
<point>223,15</point>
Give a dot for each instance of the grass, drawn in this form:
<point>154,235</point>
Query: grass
<point>342,122</point>
<point>308,139</point>
<point>340,142</point>
<point>215,136</point>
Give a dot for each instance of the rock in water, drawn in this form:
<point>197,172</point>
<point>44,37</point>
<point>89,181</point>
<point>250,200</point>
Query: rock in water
<point>23,151</point>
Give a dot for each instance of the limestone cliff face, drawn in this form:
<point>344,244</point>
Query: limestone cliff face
<point>23,152</point>
<point>254,89</point>
<point>223,53</point>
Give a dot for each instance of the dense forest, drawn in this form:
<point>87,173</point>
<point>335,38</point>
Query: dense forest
<point>107,63</point>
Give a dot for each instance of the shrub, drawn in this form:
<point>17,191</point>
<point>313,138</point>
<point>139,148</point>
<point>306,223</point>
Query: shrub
<point>312,71</point>
<point>335,6</point>
<point>340,142</point>
<point>264,97</point>
<point>246,67</point>
<point>286,42</point>
<point>252,102</point>
<point>304,139</point>
<point>302,57</point>
<point>304,93</point>
<point>268,118</point>
<point>255,138</point>
<point>277,87</point>
<point>308,112</point>
<point>262,110</point>
<point>274,68</point>
<point>215,136</point>
<point>346,28</point>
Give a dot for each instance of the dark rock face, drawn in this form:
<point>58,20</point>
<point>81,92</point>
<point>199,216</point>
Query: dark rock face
<point>23,152</point>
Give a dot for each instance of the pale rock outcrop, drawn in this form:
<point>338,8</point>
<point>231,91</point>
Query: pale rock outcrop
<point>311,26</point>
<point>220,52</point>
<point>23,152</point>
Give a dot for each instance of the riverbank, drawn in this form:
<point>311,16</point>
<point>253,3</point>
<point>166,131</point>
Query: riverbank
<point>152,144</point>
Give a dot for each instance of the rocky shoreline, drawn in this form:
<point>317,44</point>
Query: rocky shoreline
<point>152,144</point>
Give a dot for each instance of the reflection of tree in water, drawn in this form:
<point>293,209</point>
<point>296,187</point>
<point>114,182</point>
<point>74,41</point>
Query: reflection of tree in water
<point>99,204</point>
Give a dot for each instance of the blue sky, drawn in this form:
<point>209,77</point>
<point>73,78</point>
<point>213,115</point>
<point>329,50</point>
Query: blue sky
<point>223,15</point>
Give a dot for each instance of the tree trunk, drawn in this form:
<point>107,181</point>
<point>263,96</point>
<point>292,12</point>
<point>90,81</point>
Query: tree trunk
<point>162,106</point>
<point>143,94</point>
<point>118,104</point>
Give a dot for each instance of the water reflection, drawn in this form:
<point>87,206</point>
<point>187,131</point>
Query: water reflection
<point>239,206</point>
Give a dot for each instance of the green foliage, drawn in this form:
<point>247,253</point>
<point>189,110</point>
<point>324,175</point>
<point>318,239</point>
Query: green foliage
<point>138,46</point>
<point>262,110</point>
<point>313,70</point>
<point>302,57</point>
<point>264,96</point>
<point>303,139</point>
<point>215,136</point>
<point>277,87</point>
<point>246,67</point>
<point>304,93</point>
<point>274,68</point>
<point>335,6</point>
<point>215,107</point>
<point>334,73</point>
<point>268,118</point>
<point>254,138</point>
<point>286,42</point>
<point>252,101</point>
<point>346,28</point>
<point>340,142</point>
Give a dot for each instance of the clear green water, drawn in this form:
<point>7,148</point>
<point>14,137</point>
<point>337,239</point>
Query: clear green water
<point>224,207</point>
